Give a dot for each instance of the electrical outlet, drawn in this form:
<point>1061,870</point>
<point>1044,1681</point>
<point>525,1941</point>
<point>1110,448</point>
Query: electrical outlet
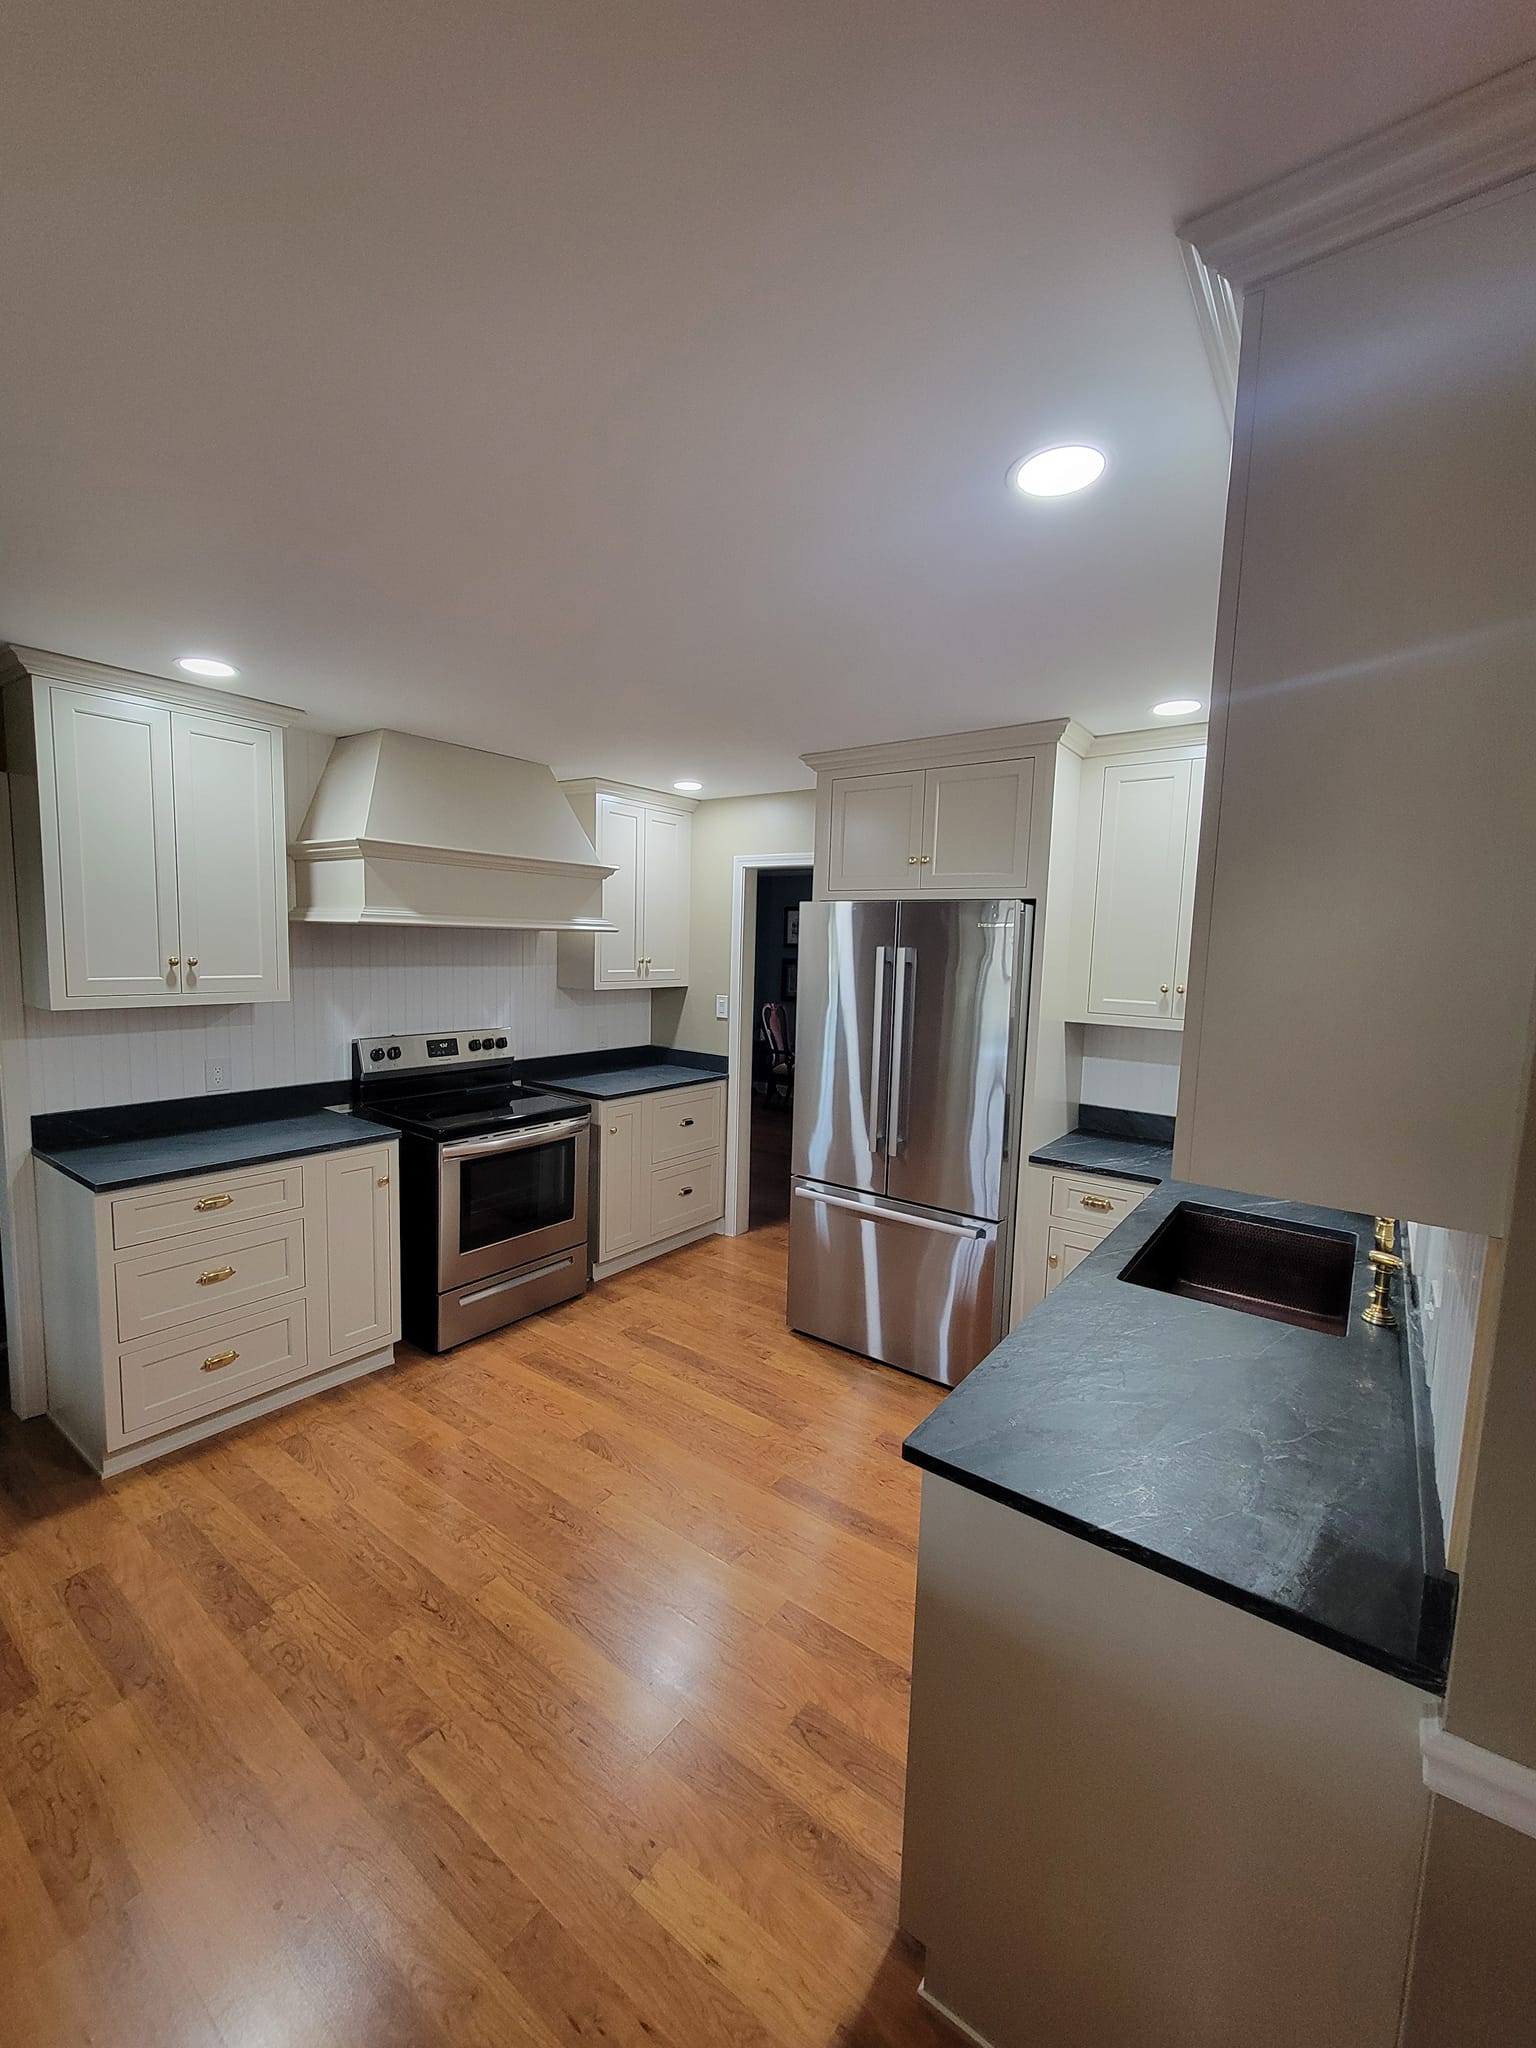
<point>722,1006</point>
<point>216,1076</point>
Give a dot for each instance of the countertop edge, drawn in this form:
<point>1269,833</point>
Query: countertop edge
<point>1424,1677</point>
<point>350,1131</point>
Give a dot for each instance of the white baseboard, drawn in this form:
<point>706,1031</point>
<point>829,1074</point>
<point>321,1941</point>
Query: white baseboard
<point>638,1257</point>
<point>1489,1784</point>
<point>951,2019</point>
<point>227,1418</point>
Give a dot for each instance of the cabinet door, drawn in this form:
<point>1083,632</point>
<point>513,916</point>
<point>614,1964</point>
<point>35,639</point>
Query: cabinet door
<point>665,888</point>
<point>229,856</point>
<point>976,820</point>
<point>1066,1250</point>
<point>1138,902</point>
<point>622,1220</point>
<point>875,843</point>
<point>361,1283</point>
<point>117,845</point>
<point>621,846</point>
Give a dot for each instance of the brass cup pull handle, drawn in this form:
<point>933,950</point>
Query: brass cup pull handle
<point>1096,1202</point>
<point>218,1361</point>
<point>683,1191</point>
<point>214,1275</point>
<point>685,1123</point>
<point>212,1202</point>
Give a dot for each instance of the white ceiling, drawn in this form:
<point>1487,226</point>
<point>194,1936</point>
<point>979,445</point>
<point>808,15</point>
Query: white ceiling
<point>632,385</point>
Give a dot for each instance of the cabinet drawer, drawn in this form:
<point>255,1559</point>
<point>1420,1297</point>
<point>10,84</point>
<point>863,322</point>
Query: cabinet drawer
<point>198,1372</point>
<point>1086,1199</point>
<point>211,1202</point>
<point>685,1121</point>
<point>683,1197</point>
<point>183,1283</point>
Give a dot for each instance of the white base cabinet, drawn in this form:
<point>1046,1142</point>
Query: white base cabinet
<point>661,1173</point>
<point>1067,1215</point>
<point>175,1310</point>
<point>150,857</point>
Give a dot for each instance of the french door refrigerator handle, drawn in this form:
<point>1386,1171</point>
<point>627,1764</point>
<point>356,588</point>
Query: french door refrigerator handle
<point>877,1074</point>
<point>901,1051</point>
<point>891,1215</point>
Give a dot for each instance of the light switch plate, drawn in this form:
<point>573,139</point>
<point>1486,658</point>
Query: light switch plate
<point>722,1006</point>
<point>216,1076</point>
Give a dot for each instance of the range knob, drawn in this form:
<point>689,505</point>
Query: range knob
<point>474,1045</point>
<point>377,1053</point>
<point>502,1043</point>
<point>394,1052</point>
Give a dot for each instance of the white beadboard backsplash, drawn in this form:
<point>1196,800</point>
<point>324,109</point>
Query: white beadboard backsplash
<point>348,982</point>
<point>1125,1067</point>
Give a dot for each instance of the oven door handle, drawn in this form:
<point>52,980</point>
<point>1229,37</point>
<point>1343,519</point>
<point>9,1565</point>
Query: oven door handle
<point>514,1141</point>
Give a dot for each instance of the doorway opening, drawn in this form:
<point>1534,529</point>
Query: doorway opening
<point>766,889</point>
<point>775,991</point>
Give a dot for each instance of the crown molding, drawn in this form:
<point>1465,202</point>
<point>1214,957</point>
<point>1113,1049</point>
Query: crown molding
<point>942,750</point>
<point>1449,152</point>
<point>1219,317</point>
<point>37,664</point>
<point>607,785</point>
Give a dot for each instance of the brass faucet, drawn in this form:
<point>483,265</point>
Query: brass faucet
<point>1386,1233</point>
<point>1383,1265</point>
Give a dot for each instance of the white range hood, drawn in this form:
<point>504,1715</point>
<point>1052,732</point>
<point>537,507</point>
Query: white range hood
<point>412,831</point>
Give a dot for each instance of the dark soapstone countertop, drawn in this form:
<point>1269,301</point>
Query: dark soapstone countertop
<point>174,1155</point>
<point>1273,1467</point>
<point>1127,1144</point>
<point>636,1070</point>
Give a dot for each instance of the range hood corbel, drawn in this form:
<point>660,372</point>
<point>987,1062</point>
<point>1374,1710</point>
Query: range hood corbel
<point>404,830</point>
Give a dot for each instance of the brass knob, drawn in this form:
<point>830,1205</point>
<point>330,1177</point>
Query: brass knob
<point>1179,989</point>
<point>174,960</point>
<point>1162,988</point>
<point>191,959</point>
<point>923,859</point>
<point>911,860</point>
<point>383,1180</point>
<point>219,1360</point>
<point>1053,1260</point>
<point>613,1130</point>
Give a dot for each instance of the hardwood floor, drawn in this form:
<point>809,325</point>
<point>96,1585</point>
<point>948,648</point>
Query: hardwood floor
<point>554,1692</point>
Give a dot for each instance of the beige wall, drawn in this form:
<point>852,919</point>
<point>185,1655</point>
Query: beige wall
<point>723,828</point>
<point>1473,1981</point>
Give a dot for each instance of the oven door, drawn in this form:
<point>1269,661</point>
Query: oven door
<point>510,1197</point>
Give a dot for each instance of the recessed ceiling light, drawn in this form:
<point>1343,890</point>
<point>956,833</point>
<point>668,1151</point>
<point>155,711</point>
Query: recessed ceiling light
<point>1053,472</point>
<point>688,787</point>
<point>205,665</point>
<point>1176,707</point>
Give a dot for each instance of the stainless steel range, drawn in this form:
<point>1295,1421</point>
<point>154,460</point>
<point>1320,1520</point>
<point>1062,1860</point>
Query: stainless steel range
<point>493,1182</point>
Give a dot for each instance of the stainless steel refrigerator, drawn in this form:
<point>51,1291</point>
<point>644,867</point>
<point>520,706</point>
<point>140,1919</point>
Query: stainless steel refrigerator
<point>909,1052</point>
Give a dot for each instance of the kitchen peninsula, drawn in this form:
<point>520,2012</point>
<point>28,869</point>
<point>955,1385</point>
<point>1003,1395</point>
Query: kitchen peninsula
<point>1181,1605</point>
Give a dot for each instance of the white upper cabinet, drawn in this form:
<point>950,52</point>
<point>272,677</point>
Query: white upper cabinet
<point>875,838</point>
<point>148,837</point>
<point>647,840</point>
<point>232,919</point>
<point>1140,826</point>
<point>964,816</point>
<point>976,820</point>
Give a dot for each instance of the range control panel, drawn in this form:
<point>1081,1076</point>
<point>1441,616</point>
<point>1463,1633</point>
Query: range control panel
<point>431,1049</point>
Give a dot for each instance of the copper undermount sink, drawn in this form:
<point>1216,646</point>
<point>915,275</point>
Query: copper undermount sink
<point>1287,1272</point>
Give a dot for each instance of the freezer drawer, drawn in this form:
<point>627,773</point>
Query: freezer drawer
<point>900,1284</point>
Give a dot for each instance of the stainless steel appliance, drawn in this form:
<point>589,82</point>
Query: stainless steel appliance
<point>493,1182</point>
<point>908,1062</point>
